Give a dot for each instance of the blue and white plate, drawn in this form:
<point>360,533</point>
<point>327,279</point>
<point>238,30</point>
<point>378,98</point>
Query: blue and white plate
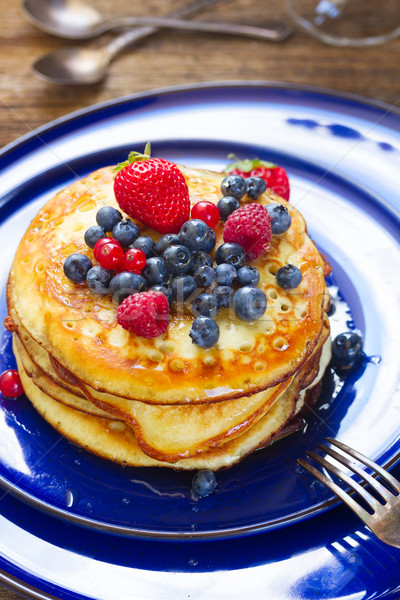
<point>72,524</point>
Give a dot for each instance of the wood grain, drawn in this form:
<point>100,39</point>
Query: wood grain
<point>170,59</point>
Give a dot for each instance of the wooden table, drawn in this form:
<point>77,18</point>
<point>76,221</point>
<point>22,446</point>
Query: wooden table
<point>170,59</point>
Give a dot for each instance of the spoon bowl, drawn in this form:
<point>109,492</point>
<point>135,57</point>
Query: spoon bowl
<point>66,66</point>
<point>70,19</point>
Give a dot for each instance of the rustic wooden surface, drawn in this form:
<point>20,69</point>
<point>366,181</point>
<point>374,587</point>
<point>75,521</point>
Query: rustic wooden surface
<point>178,58</point>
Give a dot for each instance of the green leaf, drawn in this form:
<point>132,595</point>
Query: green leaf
<point>134,157</point>
<point>247,164</point>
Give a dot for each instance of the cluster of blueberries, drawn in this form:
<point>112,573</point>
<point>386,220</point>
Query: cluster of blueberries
<point>178,264</point>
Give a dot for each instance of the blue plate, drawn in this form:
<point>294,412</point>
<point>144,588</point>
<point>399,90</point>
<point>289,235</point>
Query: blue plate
<point>143,525</point>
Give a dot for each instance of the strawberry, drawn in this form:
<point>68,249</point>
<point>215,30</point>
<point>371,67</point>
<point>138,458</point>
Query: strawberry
<point>274,176</point>
<point>249,226</point>
<point>152,191</point>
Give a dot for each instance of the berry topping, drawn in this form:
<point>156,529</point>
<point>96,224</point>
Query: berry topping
<point>212,240</point>
<point>126,283</point>
<point>146,244</point>
<point>280,218</point>
<point>204,483</point>
<point>109,254</point>
<point>100,243</point>
<point>165,242</point>
<point>224,295</point>
<point>227,205</point>
<point>205,305</point>
<point>146,314</point>
<point>347,349</point>
<point>225,274</point>
<point>231,253</point>
<point>248,276</point>
<point>182,287</point>
<point>204,275</point>
<point>125,232</point>
<point>10,384</point>
<point>288,277</point>
<point>134,260</point>
<point>275,177</point>
<point>207,212</point>
<point>255,186</point>
<point>250,303</point>
<point>200,258</point>
<point>233,185</point>
<point>177,259</point>
<point>153,191</point>
<point>93,235</point>
<point>164,290</point>
<point>195,234</point>
<point>249,226</point>
<point>99,279</point>
<point>76,267</point>
<point>155,271</point>
<point>107,217</point>
<point>204,332</point>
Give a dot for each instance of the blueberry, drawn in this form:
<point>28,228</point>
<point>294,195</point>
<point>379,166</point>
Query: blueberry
<point>194,234</point>
<point>164,290</point>
<point>177,259</point>
<point>205,305</point>
<point>93,235</point>
<point>107,217</point>
<point>182,287</point>
<point>227,205</point>
<point>212,240</point>
<point>98,280</point>
<point>347,349</point>
<point>234,185</point>
<point>255,186</point>
<point>231,253</point>
<point>204,275</point>
<point>250,303</point>
<point>126,232</point>
<point>224,295</point>
<point>126,283</point>
<point>200,258</point>
<point>165,242</point>
<point>146,244</point>
<point>280,218</point>
<point>288,277</point>
<point>155,271</point>
<point>248,276</point>
<point>204,332</point>
<point>225,274</point>
<point>76,267</point>
<point>204,483</point>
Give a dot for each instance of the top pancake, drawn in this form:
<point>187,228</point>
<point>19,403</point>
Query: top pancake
<point>79,329</point>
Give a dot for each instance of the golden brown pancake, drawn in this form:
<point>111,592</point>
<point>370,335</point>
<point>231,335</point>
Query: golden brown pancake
<point>162,401</point>
<point>81,332</point>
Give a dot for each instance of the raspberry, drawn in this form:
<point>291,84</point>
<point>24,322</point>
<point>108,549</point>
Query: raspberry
<point>249,226</point>
<point>146,314</point>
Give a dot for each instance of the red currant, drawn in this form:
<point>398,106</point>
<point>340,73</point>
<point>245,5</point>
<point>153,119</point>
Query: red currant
<point>134,260</point>
<point>100,243</point>
<point>207,212</point>
<point>10,384</point>
<point>110,255</point>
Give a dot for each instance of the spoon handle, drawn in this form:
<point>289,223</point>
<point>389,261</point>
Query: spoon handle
<point>276,32</point>
<point>126,39</point>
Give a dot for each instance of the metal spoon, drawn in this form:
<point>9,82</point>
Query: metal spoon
<point>71,19</point>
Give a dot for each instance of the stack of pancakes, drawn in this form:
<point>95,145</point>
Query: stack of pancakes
<point>162,401</point>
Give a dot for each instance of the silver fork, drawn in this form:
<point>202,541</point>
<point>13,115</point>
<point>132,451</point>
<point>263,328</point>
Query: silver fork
<point>384,520</point>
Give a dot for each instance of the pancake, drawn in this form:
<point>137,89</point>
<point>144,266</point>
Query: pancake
<point>115,441</point>
<point>162,401</point>
<point>69,322</point>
